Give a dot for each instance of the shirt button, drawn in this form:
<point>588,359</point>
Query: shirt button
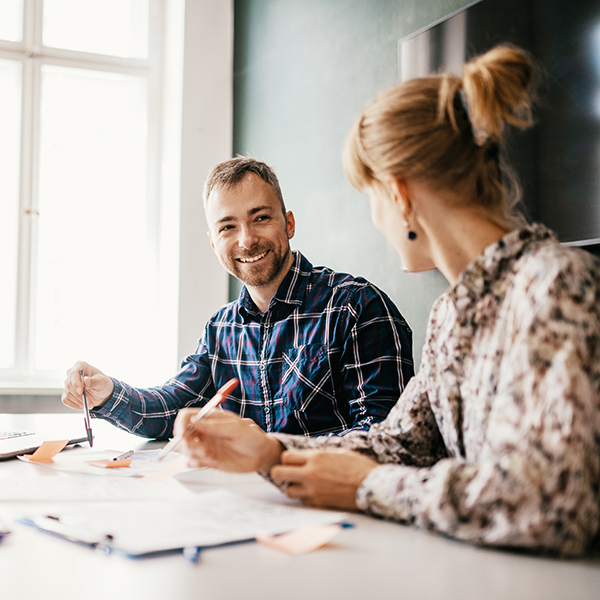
<point>262,366</point>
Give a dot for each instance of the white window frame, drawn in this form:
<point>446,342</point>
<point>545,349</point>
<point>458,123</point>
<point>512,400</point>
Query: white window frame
<point>193,113</point>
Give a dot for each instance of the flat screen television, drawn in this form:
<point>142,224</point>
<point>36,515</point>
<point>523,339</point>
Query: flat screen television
<point>558,161</point>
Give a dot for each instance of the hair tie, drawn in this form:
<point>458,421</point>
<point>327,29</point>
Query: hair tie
<point>480,136</point>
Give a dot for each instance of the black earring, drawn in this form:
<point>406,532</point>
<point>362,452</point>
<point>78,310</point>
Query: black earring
<point>412,236</point>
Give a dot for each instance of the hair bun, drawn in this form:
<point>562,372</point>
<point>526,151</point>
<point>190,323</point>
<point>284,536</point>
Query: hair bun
<point>499,86</point>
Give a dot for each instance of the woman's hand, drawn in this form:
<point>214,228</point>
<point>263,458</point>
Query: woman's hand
<point>224,441</point>
<point>323,477</point>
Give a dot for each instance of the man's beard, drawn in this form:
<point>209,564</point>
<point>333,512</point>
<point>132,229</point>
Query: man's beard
<point>265,274</point>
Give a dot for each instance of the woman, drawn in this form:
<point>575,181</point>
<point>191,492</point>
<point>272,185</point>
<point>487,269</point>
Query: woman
<point>496,439</point>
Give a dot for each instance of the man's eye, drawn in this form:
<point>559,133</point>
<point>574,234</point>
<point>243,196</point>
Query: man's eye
<point>262,217</point>
<point>225,228</point>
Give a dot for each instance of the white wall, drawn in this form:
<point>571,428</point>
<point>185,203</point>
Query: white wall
<point>206,140</point>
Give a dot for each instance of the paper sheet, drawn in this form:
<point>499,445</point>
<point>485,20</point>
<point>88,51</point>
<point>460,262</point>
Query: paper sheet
<point>143,462</point>
<point>207,519</point>
<point>167,470</point>
<point>88,489</point>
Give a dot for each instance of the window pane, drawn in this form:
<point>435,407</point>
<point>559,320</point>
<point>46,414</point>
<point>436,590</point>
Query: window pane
<point>11,20</point>
<point>95,292</point>
<point>114,27</point>
<point>10,144</point>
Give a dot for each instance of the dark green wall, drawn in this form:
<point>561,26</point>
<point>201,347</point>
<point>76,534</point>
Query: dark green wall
<point>303,70</point>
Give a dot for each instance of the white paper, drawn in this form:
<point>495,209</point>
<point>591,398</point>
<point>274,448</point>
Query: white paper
<point>207,519</point>
<point>143,462</point>
<point>62,488</point>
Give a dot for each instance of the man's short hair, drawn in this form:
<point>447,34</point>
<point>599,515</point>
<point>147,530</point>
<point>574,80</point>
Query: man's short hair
<point>229,173</point>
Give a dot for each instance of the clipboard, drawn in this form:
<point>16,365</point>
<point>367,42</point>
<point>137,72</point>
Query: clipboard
<point>210,519</point>
<point>104,544</point>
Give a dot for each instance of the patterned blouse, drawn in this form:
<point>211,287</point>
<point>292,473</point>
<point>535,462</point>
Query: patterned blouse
<point>496,440</point>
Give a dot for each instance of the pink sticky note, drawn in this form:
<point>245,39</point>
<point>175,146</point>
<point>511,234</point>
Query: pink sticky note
<point>47,451</point>
<point>302,540</point>
<point>169,470</point>
<point>110,464</point>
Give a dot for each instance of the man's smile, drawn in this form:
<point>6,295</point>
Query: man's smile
<point>253,258</point>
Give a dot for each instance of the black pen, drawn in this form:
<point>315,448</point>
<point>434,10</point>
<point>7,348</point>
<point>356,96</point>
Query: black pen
<point>86,413</point>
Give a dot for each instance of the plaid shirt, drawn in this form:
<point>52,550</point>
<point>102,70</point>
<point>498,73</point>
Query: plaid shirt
<point>332,353</point>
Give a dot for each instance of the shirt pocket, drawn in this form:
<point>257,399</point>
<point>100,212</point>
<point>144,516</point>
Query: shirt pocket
<point>306,379</point>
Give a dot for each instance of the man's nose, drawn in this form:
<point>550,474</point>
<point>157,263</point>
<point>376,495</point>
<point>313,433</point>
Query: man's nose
<point>247,237</point>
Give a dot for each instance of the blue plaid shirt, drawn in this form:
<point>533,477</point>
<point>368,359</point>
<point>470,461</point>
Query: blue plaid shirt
<point>332,353</point>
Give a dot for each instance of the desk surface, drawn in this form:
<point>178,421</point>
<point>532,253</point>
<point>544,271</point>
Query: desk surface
<point>375,559</point>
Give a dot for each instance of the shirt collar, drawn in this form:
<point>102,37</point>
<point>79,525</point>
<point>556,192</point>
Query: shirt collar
<point>290,291</point>
<point>479,277</point>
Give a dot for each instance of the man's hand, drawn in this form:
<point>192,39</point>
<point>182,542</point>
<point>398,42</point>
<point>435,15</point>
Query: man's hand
<point>222,440</point>
<point>98,386</point>
<point>323,477</point>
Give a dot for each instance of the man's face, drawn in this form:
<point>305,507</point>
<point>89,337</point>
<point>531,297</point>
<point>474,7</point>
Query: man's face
<point>249,232</point>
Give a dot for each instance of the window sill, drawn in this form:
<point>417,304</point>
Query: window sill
<point>29,389</point>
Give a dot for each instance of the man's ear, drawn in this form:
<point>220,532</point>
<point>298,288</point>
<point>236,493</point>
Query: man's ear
<point>290,224</point>
<point>400,193</point>
<point>212,244</point>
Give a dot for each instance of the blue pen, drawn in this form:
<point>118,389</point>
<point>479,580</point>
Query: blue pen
<point>124,455</point>
<point>192,554</point>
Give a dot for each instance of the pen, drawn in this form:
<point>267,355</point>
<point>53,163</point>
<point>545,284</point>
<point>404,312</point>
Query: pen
<point>204,411</point>
<point>4,530</point>
<point>124,455</point>
<point>192,554</point>
<point>86,413</point>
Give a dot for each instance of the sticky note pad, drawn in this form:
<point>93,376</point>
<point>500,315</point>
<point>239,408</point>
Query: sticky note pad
<point>47,451</point>
<point>110,464</point>
<point>302,540</point>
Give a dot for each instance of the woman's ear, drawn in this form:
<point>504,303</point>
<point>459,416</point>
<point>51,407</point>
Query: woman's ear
<point>400,194</point>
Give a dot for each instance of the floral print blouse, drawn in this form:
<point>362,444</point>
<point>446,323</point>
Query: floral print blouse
<point>496,440</point>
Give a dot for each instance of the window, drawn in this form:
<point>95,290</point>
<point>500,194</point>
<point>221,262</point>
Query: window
<point>82,184</point>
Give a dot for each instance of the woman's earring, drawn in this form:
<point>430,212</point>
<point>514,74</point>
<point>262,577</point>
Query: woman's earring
<point>412,236</point>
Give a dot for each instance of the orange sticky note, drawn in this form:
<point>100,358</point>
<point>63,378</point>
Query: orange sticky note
<point>110,464</point>
<point>169,470</point>
<point>302,540</point>
<point>47,451</point>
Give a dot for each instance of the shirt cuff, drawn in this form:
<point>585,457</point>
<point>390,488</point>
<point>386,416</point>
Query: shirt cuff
<point>113,407</point>
<point>381,493</point>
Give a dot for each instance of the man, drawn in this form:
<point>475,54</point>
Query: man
<point>316,352</point>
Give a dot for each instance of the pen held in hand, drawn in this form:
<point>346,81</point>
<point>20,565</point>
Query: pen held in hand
<point>203,412</point>
<point>86,413</point>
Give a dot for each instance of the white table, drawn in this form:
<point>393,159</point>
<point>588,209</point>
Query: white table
<point>374,560</point>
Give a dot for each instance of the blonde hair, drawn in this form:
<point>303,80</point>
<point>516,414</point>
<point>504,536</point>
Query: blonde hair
<point>448,131</point>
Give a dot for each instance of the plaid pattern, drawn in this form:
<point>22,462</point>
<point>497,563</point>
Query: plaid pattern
<point>331,354</point>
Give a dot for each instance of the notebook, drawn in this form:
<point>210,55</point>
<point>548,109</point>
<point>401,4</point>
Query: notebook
<point>16,442</point>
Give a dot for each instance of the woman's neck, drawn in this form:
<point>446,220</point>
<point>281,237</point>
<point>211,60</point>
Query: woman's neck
<point>458,233</point>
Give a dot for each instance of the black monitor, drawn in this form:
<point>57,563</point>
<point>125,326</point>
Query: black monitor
<point>558,161</point>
